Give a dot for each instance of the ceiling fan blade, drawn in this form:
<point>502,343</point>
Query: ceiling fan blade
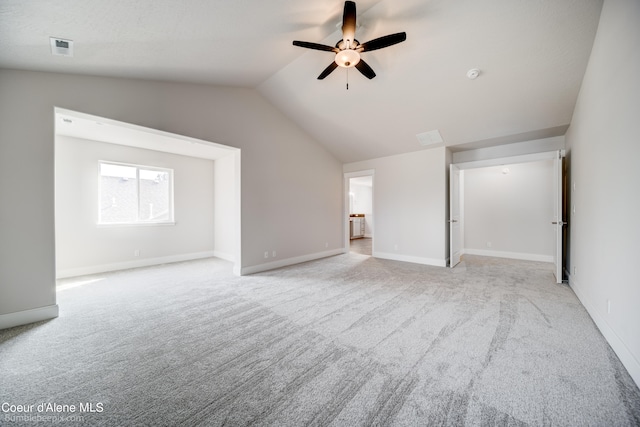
<point>364,68</point>
<point>383,41</point>
<point>349,23</point>
<point>328,70</point>
<point>316,46</point>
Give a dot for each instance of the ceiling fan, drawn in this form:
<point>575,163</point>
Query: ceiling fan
<point>348,49</point>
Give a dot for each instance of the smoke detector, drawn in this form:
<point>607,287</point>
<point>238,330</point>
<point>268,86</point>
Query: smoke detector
<point>61,47</point>
<point>473,73</point>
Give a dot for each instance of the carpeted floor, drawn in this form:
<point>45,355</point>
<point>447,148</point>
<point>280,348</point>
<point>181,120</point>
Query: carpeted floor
<point>345,341</point>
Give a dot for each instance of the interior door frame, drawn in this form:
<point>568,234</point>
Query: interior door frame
<point>525,158</point>
<point>345,210</point>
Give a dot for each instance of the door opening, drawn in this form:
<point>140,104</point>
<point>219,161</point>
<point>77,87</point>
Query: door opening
<point>455,236</point>
<point>359,213</point>
<point>510,207</point>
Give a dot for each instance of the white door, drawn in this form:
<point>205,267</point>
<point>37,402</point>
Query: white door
<point>455,239</point>
<point>558,222</point>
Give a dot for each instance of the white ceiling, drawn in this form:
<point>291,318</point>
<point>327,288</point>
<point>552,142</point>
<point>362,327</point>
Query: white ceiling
<point>532,56</point>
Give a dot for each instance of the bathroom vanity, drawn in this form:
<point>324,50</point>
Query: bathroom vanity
<point>356,226</point>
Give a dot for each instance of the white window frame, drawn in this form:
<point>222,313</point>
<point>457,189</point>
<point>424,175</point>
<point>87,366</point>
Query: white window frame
<point>138,221</point>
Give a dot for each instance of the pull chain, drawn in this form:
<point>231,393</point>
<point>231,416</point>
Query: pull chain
<point>347,79</point>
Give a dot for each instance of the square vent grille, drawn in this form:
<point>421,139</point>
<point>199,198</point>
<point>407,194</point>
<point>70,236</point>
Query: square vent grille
<point>61,47</point>
<point>429,138</point>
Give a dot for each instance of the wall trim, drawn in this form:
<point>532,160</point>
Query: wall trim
<point>511,255</point>
<point>223,255</point>
<point>412,259</point>
<point>103,268</point>
<point>289,261</point>
<point>619,347</point>
<point>28,316</point>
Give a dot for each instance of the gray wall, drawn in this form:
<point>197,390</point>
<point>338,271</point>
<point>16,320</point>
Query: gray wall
<point>604,148</point>
<point>224,207</point>
<point>510,212</point>
<point>409,205</point>
<point>513,150</point>
<point>84,248</point>
<point>288,180</point>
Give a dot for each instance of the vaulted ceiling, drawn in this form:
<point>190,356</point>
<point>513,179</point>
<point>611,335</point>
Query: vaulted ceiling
<point>532,56</point>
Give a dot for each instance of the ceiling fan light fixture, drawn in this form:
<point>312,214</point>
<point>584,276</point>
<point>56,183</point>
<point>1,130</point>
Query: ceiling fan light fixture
<point>347,58</point>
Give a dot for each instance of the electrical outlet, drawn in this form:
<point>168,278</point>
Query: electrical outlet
<point>273,254</point>
<point>266,254</point>
<point>574,209</point>
<point>395,247</point>
<point>575,270</point>
<point>136,252</point>
<point>608,306</point>
<point>489,244</point>
<point>326,244</point>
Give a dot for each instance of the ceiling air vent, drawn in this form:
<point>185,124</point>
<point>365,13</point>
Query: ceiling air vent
<point>429,138</point>
<point>61,47</point>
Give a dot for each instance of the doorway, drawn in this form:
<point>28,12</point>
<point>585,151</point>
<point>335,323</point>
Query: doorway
<point>508,208</point>
<point>359,213</point>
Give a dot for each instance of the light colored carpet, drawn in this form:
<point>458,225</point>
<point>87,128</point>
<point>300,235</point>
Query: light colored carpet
<point>349,340</point>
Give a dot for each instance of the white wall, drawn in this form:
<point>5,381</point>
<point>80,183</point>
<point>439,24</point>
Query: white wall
<point>510,150</point>
<point>509,215</point>
<point>409,194</point>
<point>288,180</point>
<point>604,152</point>
<point>82,247</point>
<point>224,207</point>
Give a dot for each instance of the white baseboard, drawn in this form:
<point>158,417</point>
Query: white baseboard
<point>225,256</point>
<point>237,270</point>
<point>289,261</point>
<point>619,347</point>
<point>146,262</point>
<point>28,316</point>
<point>413,259</point>
<point>512,255</point>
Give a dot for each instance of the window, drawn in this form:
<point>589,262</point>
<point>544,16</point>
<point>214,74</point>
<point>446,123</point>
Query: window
<point>131,194</point>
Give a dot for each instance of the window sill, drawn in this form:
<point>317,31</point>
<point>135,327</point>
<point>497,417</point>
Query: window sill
<point>136,224</point>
